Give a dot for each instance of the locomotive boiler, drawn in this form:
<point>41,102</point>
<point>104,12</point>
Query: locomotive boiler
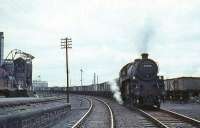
<point>140,84</point>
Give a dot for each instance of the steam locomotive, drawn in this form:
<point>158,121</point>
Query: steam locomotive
<point>140,84</point>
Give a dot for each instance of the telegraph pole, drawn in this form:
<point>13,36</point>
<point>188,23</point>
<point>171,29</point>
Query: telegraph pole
<point>81,77</point>
<point>97,79</point>
<point>94,78</point>
<point>65,44</point>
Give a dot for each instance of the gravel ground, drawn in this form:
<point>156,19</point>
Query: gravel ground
<point>189,109</point>
<point>99,116</point>
<point>79,106</point>
<point>126,118</point>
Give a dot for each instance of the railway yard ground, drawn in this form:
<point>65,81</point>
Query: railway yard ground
<point>86,112</point>
<point>99,112</point>
<point>123,117</point>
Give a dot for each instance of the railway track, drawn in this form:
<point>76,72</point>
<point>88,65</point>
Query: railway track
<point>168,119</point>
<point>128,118</point>
<point>96,114</point>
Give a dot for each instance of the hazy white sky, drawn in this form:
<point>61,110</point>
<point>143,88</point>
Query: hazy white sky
<point>106,34</point>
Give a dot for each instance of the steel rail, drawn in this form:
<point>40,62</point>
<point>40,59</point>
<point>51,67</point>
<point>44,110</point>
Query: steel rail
<point>110,111</point>
<point>183,117</point>
<point>153,119</point>
<point>78,123</point>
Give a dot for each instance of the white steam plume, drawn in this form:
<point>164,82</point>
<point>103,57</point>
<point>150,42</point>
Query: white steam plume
<point>116,91</point>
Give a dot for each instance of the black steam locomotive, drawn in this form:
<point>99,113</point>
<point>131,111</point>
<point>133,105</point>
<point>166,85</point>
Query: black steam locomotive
<point>140,84</point>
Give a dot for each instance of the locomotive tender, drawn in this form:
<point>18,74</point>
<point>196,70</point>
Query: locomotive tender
<point>140,84</point>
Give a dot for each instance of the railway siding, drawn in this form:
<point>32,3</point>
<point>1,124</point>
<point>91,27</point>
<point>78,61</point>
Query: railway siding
<point>183,117</point>
<point>168,119</point>
<point>80,121</point>
<point>126,118</point>
<point>99,116</point>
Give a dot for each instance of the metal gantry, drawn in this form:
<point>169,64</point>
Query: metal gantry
<point>65,44</point>
<point>19,53</point>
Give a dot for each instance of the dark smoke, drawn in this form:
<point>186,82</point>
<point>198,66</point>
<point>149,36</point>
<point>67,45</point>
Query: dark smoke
<point>145,37</point>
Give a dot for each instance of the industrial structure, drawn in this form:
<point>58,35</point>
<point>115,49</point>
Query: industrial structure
<point>15,72</point>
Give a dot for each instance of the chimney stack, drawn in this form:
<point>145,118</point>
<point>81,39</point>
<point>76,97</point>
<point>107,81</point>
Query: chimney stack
<point>144,55</point>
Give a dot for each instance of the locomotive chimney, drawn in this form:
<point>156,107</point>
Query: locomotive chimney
<point>144,55</point>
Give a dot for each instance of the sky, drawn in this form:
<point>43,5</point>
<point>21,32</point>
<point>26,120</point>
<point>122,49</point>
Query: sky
<point>106,34</point>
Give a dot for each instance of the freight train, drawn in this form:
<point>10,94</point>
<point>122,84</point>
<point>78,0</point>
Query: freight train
<point>102,89</point>
<point>140,84</point>
<point>183,89</point>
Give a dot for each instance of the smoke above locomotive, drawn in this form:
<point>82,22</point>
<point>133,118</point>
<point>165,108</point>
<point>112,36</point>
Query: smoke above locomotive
<point>139,82</point>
